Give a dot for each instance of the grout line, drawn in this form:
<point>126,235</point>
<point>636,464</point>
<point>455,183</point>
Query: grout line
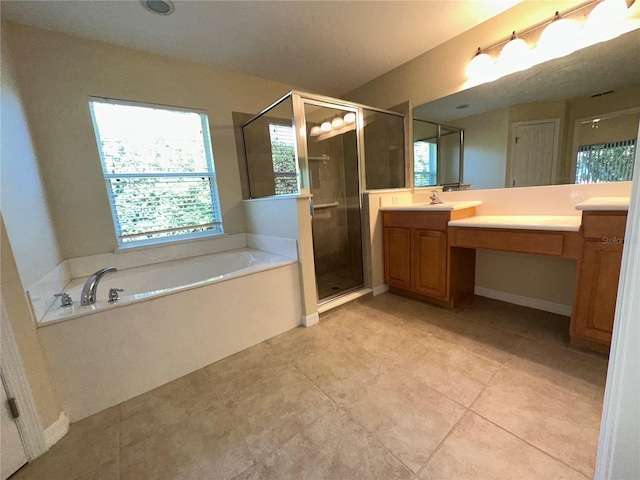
<point>559,460</point>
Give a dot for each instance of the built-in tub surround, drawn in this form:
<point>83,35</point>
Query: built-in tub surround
<point>103,354</point>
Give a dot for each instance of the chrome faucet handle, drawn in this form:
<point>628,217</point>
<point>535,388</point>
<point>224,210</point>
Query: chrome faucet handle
<point>113,294</point>
<point>65,299</point>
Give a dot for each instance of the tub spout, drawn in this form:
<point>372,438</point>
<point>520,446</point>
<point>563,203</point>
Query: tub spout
<point>91,286</point>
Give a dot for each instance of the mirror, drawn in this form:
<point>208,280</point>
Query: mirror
<point>538,126</point>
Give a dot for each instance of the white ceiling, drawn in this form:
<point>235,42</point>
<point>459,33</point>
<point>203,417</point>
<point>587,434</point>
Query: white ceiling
<point>329,47</point>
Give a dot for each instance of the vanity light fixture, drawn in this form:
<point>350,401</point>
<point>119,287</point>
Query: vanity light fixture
<point>350,117</point>
<point>514,56</point>
<point>315,131</point>
<point>325,127</point>
<point>553,38</point>
<point>337,122</point>
<point>161,7</point>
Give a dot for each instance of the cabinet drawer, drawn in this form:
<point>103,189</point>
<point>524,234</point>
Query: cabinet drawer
<point>596,225</point>
<point>423,220</point>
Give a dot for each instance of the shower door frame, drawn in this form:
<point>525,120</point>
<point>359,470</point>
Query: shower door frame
<point>299,102</point>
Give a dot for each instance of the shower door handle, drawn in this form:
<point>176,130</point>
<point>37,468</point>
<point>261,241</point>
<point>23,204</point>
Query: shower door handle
<point>311,206</point>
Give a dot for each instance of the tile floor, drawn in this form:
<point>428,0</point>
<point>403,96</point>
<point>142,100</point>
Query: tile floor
<point>383,388</point>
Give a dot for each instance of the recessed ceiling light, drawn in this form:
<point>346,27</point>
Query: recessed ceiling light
<point>161,7</point>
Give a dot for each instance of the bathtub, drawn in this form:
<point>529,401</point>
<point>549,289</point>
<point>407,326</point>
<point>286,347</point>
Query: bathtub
<point>172,319</point>
<point>166,278</point>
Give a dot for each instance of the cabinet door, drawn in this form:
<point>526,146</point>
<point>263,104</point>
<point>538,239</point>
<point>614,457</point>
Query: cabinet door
<point>429,263</point>
<point>397,257</point>
<point>599,273</point>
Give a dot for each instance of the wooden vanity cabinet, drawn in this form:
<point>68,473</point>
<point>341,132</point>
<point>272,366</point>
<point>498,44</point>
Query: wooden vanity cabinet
<point>598,273</point>
<point>418,261</point>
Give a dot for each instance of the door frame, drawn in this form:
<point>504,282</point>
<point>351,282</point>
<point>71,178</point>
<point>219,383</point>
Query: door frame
<point>512,148</point>
<point>16,383</point>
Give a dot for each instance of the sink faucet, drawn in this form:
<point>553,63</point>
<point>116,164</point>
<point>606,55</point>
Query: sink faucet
<point>91,286</point>
<point>434,197</point>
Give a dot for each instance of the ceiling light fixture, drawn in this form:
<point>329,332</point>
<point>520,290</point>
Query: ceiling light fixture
<point>161,7</point>
<point>553,38</point>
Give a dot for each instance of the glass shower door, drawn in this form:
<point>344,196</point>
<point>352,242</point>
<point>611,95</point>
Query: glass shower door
<point>334,180</point>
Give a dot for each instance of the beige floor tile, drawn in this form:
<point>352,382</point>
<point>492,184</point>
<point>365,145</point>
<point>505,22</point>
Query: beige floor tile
<point>333,448</point>
<point>180,430</point>
<point>271,411</point>
<point>407,417</point>
<point>389,343</point>
<point>167,407</point>
<point>559,421</point>
<point>477,449</point>
<point>549,327</point>
<point>107,471</point>
<point>301,341</point>
<point>196,451</point>
<point>487,342</point>
<point>91,442</point>
<point>580,372</point>
<point>244,368</point>
<point>251,474</point>
<point>341,368</point>
<point>450,369</point>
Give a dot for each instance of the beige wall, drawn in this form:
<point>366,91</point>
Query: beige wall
<point>485,148</point>
<point>441,71</point>
<point>24,204</point>
<point>58,72</point>
<point>31,352</point>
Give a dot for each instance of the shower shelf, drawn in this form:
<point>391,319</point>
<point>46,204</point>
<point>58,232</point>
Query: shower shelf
<point>325,205</point>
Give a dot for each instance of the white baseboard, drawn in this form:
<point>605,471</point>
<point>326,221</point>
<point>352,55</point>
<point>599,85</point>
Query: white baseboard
<point>310,320</point>
<point>380,289</point>
<point>56,430</point>
<point>536,303</point>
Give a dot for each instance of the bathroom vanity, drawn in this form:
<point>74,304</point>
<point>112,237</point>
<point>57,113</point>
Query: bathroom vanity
<point>429,254</point>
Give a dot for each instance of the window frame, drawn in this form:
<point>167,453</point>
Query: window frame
<point>210,174</point>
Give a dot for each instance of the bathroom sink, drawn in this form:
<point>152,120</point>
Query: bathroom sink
<point>444,207</point>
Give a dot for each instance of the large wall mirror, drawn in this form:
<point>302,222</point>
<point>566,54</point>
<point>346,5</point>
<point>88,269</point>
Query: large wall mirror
<point>570,120</point>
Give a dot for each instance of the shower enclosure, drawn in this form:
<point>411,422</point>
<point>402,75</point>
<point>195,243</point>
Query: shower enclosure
<point>330,150</point>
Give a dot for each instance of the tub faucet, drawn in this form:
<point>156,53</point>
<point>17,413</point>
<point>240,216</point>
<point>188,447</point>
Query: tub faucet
<point>434,198</point>
<point>91,286</point>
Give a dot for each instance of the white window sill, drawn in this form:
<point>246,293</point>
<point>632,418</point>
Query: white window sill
<point>168,241</point>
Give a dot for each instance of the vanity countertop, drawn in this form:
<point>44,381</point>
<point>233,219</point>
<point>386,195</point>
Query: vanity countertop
<point>437,207</point>
<point>565,223</point>
<point>604,203</point>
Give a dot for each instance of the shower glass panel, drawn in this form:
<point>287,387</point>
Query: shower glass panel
<point>383,150</point>
<point>332,152</point>
<point>270,148</point>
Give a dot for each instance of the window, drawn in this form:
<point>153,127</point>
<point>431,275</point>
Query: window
<point>158,167</point>
<point>425,160</point>
<point>605,162</point>
<point>283,156</point>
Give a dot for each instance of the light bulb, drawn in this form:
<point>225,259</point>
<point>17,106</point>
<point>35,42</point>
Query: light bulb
<point>558,39</point>
<point>337,122</point>
<point>481,68</point>
<point>606,21</point>
<point>315,131</point>
<point>325,127</point>
<point>515,56</point>
<point>350,117</point>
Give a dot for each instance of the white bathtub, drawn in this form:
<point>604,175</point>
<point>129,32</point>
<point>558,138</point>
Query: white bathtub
<point>172,319</point>
<point>143,283</point>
